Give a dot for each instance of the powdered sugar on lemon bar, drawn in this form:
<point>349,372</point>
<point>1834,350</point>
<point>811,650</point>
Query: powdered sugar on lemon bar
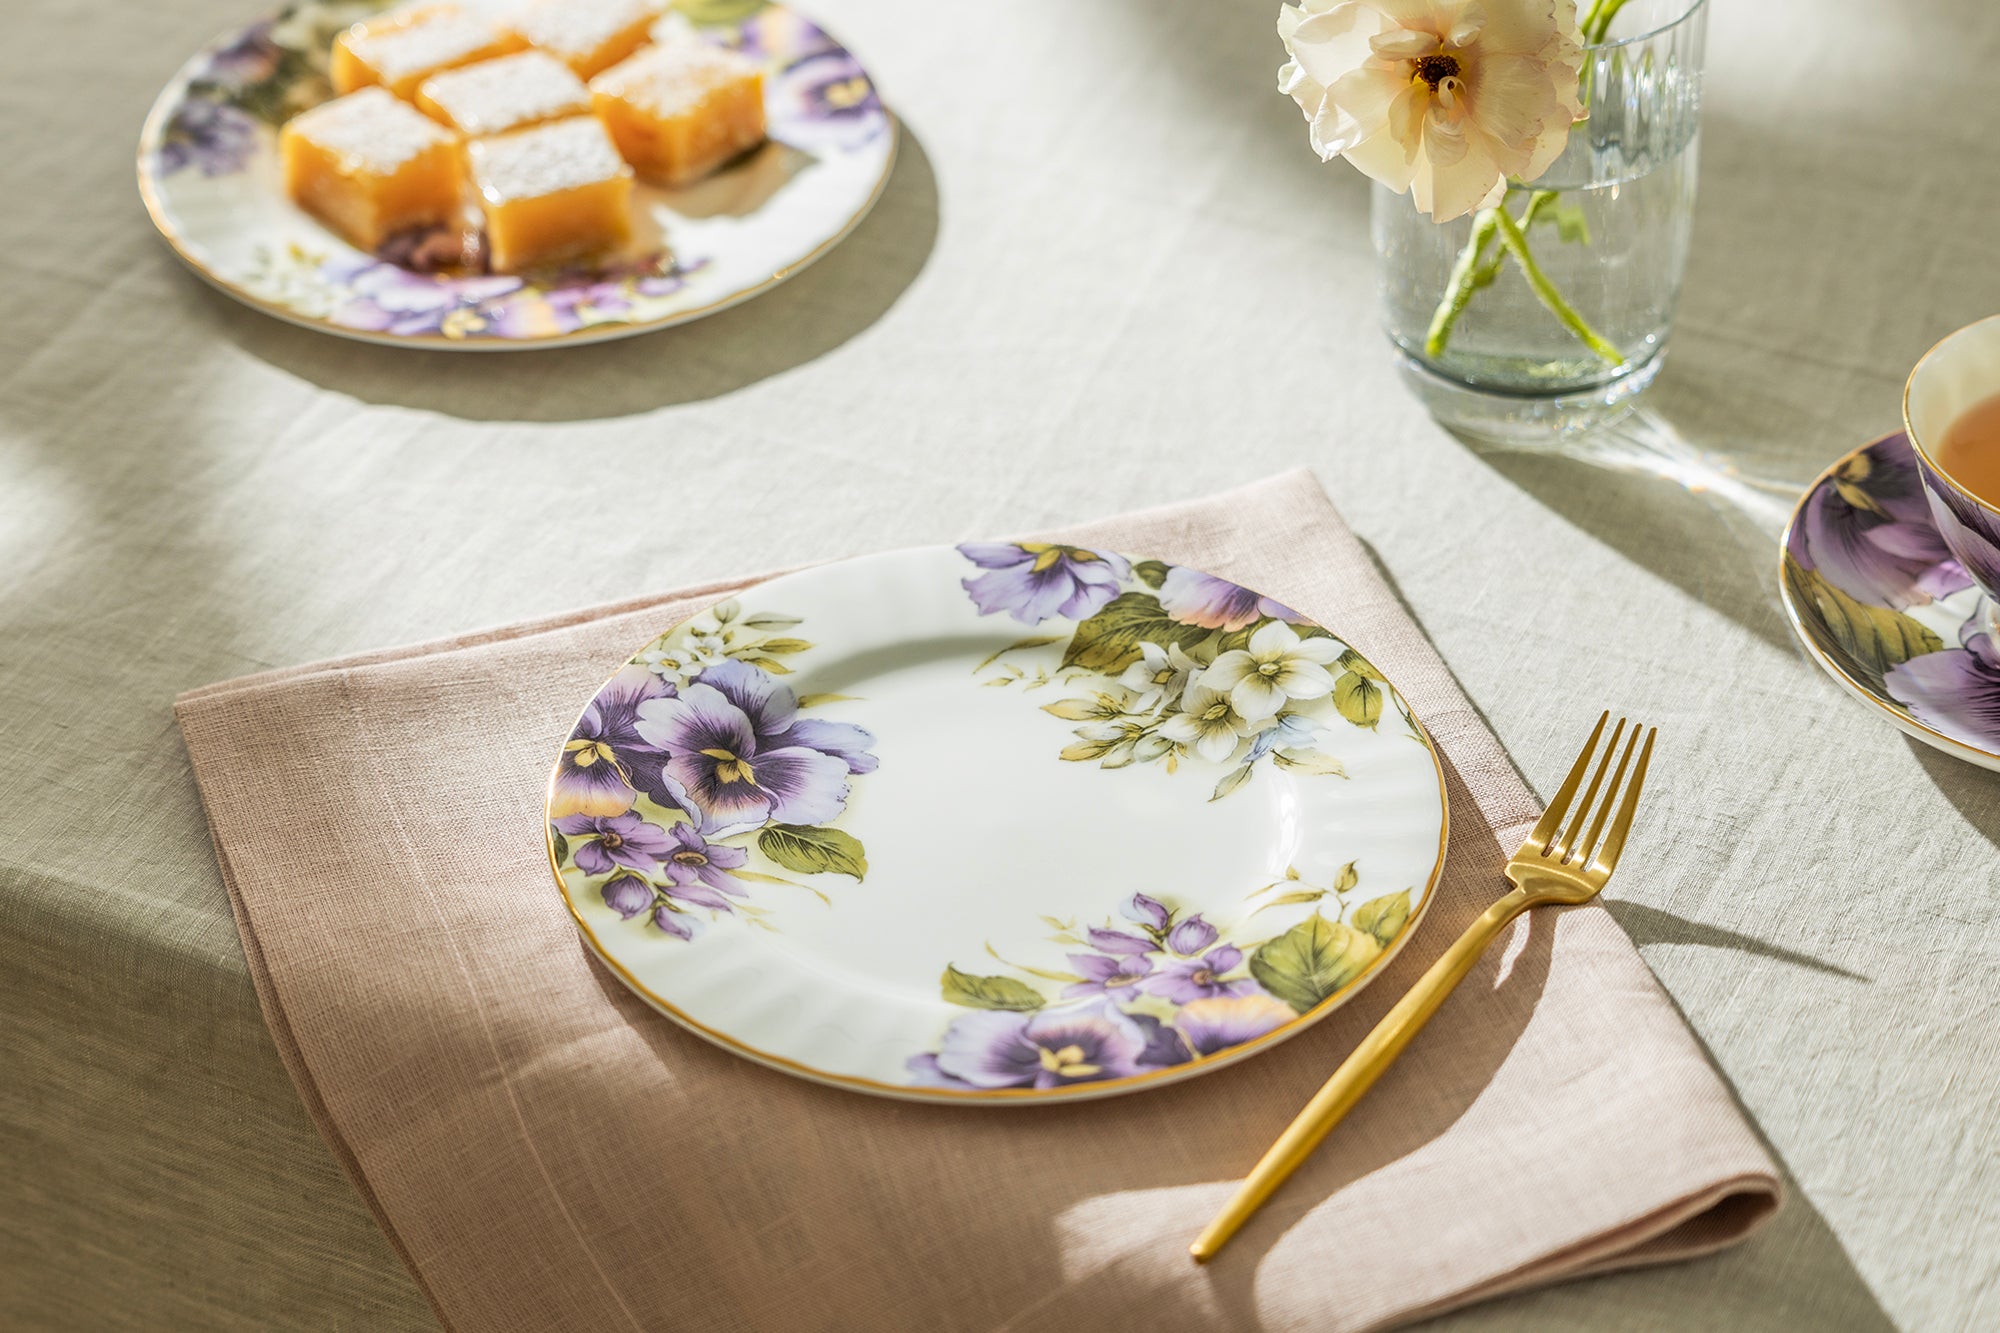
<point>557,191</point>
<point>399,50</point>
<point>495,96</point>
<point>586,35</point>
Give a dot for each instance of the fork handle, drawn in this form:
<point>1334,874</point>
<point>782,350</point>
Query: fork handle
<point>1358,1073</point>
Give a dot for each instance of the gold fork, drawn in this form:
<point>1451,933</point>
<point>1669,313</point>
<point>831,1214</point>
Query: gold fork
<point>1555,865</point>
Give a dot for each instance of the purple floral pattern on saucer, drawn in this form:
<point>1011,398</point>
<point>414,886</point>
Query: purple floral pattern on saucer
<point>1867,576</point>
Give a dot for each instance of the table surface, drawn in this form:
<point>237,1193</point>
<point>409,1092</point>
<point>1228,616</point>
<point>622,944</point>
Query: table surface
<point>1107,273</point>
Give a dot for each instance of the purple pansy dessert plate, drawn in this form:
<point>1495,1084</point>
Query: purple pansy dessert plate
<point>209,175</point>
<point>1003,822</point>
<point>1879,602</point>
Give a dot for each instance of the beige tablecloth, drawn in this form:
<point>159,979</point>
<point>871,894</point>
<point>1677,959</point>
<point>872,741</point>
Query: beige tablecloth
<point>1108,273</point>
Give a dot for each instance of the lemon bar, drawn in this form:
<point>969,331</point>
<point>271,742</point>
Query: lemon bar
<point>680,109</point>
<point>587,35</point>
<point>400,49</point>
<point>510,93</point>
<point>368,165</point>
<point>556,191</point>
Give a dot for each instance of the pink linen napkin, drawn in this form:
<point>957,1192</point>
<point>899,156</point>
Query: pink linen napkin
<point>546,1152</point>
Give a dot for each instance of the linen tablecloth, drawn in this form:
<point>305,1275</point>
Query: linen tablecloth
<point>1108,273</point>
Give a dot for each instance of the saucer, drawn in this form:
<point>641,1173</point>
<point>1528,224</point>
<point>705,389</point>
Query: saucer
<point>1881,604</point>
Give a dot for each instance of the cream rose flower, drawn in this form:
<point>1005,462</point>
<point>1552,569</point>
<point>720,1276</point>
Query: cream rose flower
<point>1445,99</point>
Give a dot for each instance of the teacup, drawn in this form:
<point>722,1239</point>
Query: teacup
<point>1959,372</point>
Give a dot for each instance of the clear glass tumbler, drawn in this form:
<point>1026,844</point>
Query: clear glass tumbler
<point>1483,346</point>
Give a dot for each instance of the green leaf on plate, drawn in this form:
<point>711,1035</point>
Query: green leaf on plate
<point>1384,917</point>
<point>711,13</point>
<point>1109,641</point>
<point>815,700</point>
<point>813,851</point>
<point>1312,960</point>
<point>782,646</point>
<point>1359,665</point>
<point>770,664</point>
<point>1230,782</point>
<point>1152,573</point>
<point>1073,710</point>
<point>1871,638</point>
<point>1346,879</point>
<point>769,620</point>
<point>1309,761</point>
<point>561,846</point>
<point>1358,699</point>
<point>1017,646</point>
<point>989,992</point>
<point>1294,898</point>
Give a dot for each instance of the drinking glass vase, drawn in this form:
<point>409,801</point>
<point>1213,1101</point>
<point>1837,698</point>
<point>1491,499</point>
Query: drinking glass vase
<point>1507,351</point>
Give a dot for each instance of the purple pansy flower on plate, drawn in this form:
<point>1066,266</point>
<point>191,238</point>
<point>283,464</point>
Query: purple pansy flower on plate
<point>1185,980</point>
<point>697,870</point>
<point>387,298</point>
<point>1115,975</point>
<point>1164,1045</point>
<point>1146,911</point>
<point>605,761</point>
<point>1195,598</point>
<point>1046,1048</point>
<point>600,844</point>
<point>694,859</point>
<point>678,924</point>
<point>925,1072</point>
<point>1032,581</point>
<point>1216,1024</point>
<point>1870,534</point>
<point>1191,936</point>
<point>735,762</point>
<point>249,60</point>
<point>1117,942</point>
<point>825,100</point>
<point>208,134</point>
<point>628,895</point>
<point>1956,691</point>
<point>590,781</point>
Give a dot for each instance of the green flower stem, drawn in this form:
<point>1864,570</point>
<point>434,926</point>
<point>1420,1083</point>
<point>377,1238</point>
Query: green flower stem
<point>1464,282</point>
<point>1474,269</point>
<point>1538,203</point>
<point>1517,245</point>
<point>1597,22</point>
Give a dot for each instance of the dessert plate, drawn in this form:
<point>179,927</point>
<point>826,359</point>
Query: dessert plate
<point>997,823</point>
<point>1880,604</point>
<point>209,174</point>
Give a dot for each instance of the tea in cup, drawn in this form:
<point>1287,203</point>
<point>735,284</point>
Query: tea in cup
<point>1951,409</point>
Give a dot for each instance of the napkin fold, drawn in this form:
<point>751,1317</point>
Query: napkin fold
<point>546,1152</point>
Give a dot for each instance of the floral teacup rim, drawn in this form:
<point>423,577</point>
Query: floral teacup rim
<point>1978,326</point>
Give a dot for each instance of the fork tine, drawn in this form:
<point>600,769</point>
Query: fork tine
<point>1560,848</point>
<point>1614,842</point>
<point>1559,804</point>
<point>1582,849</point>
